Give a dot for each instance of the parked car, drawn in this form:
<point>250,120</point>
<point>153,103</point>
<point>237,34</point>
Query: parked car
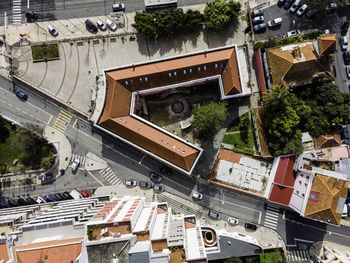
<point>159,188</point>
<point>275,22</point>
<point>101,25</point>
<point>165,171</point>
<point>343,43</point>
<point>232,221</point>
<point>130,182</point>
<point>40,200</point>
<point>259,28</point>
<point>52,30</point>
<point>294,6</point>
<point>302,10</point>
<point>292,33</point>
<point>155,177</point>
<point>30,201</point>
<point>31,16</point>
<point>311,13</point>
<point>119,7</point>
<point>345,28</point>
<point>144,184</point>
<point>111,25</point>
<point>346,57</point>
<point>215,215</point>
<point>67,195</point>
<point>250,226</point>
<point>257,20</point>
<point>90,26</point>
<point>197,195</point>
<point>85,193</point>
<point>345,211</point>
<point>3,204</point>
<point>288,4</point>
<point>12,203</point>
<point>347,70</point>
<point>48,198</point>
<point>60,196</point>
<point>21,201</point>
<point>258,12</point>
<point>75,164</point>
<point>280,3</point>
<point>21,95</point>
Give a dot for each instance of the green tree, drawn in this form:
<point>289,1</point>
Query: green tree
<point>208,119</point>
<point>219,13</point>
<point>233,260</point>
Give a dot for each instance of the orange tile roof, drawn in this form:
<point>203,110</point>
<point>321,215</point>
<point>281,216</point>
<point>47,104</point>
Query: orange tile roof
<point>122,82</point>
<point>297,63</point>
<point>327,43</point>
<point>326,199</point>
<point>327,140</point>
<point>56,251</point>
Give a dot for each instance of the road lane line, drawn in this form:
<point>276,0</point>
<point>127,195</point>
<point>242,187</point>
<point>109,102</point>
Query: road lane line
<point>49,120</point>
<point>95,178</point>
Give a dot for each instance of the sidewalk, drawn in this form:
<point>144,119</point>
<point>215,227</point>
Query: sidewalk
<point>62,145</point>
<point>266,237</point>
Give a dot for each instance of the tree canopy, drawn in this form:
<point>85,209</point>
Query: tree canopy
<point>208,119</point>
<point>219,13</point>
<point>315,109</point>
<point>233,260</point>
<point>165,24</point>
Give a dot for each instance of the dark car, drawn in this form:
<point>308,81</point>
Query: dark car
<point>215,215</point>
<point>288,4</point>
<point>250,226</point>
<point>345,28</point>
<point>346,57</point>
<point>280,3</point>
<point>144,184</point>
<point>12,203</point>
<point>155,177</point>
<point>331,7</point>
<point>165,171</point>
<point>311,13</point>
<point>260,28</point>
<point>3,204</point>
<point>48,198</point>
<point>67,196</point>
<point>21,95</point>
<point>90,26</point>
<point>21,201</point>
<point>30,201</point>
<point>31,16</point>
<point>159,188</point>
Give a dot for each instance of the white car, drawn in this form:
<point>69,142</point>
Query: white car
<point>294,6</point>
<point>131,183</point>
<point>274,22</point>
<point>257,20</point>
<point>232,221</point>
<point>302,10</point>
<point>343,43</point>
<point>292,33</point>
<point>197,195</point>
<point>75,164</point>
<point>111,25</point>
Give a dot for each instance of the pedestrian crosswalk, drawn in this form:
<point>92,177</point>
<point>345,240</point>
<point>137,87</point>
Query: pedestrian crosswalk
<point>110,176</point>
<point>16,12</point>
<point>81,158</point>
<point>271,217</point>
<point>62,120</point>
<point>298,256</point>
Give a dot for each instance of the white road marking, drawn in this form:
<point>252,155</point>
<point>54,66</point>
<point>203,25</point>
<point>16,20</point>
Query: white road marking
<point>95,178</point>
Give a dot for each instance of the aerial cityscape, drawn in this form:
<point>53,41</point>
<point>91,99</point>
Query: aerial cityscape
<point>174,131</point>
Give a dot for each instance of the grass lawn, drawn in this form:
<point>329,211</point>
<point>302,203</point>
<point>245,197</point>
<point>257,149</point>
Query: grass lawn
<point>242,142</point>
<point>45,52</point>
<point>240,135</point>
<point>271,257</point>
<point>7,154</point>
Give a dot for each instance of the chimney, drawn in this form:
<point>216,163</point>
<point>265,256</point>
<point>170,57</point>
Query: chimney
<point>296,53</point>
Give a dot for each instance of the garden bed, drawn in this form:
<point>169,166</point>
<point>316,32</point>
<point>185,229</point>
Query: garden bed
<point>45,53</point>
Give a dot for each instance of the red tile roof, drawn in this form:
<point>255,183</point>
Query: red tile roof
<point>285,174</point>
<point>280,194</point>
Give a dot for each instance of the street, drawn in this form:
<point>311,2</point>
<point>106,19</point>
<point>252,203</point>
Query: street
<point>297,232</point>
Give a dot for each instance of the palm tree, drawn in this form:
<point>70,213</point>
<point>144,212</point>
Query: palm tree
<point>277,98</point>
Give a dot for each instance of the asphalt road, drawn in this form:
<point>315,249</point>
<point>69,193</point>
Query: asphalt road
<point>66,9</point>
<point>341,80</point>
<point>130,163</point>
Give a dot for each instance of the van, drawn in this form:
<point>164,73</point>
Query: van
<point>275,22</point>
<point>91,27</point>
<point>76,195</point>
<point>345,211</point>
<point>120,7</point>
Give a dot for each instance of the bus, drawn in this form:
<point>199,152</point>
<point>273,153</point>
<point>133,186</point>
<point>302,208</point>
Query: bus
<point>157,5</point>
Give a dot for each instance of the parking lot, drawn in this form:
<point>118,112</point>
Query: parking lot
<point>332,22</point>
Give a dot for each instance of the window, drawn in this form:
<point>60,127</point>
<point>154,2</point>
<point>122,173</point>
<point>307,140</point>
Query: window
<point>216,65</point>
<point>199,69</point>
<point>146,79</point>
<point>126,82</point>
<point>169,74</point>
<point>174,73</point>
<point>190,70</point>
<point>185,71</point>
<point>205,68</point>
<point>140,79</point>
